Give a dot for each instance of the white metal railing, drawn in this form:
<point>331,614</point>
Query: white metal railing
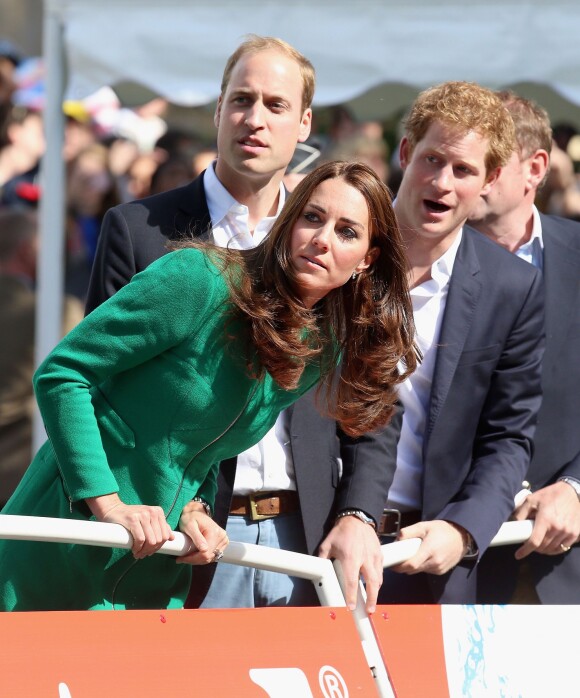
<point>326,576</point>
<point>55,530</point>
<point>52,530</point>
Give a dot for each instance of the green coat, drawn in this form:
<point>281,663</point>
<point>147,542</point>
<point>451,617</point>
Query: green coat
<point>144,397</point>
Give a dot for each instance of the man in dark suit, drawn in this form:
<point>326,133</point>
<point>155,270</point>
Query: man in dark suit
<point>288,490</point>
<point>470,409</point>
<point>545,569</point>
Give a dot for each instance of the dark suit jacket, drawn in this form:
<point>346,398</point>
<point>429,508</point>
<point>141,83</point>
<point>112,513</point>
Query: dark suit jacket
<point>557,439</point>
<point>484,399</point>
<point>135,234</point>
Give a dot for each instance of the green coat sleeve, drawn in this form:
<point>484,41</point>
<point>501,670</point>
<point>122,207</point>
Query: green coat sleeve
<point>208,488</point>
<point>157,310</point>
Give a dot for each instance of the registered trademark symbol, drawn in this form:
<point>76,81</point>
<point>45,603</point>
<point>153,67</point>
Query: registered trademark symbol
<point>331,683</point>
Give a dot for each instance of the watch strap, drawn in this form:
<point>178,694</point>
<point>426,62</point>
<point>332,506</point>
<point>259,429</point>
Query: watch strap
<point>359,514</point>
<point>574,484</point>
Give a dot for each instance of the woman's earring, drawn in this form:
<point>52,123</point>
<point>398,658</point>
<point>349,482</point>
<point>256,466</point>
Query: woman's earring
<point>354,275</point>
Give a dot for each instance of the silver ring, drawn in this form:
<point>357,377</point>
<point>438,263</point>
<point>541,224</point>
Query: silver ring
<point>217,555</point>
<point>564,548</point>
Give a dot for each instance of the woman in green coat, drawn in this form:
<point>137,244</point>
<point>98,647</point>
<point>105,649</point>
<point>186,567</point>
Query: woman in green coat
<point>191,363</point>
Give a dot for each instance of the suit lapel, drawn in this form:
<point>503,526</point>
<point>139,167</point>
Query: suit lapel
<point>462,299</point>
<point>192,215</point>
<point>561,286</point>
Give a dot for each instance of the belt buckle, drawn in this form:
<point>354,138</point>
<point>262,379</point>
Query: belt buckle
<point>254,515</point>
<point>397,514</point>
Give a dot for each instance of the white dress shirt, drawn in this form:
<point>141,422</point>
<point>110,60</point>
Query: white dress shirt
<point>532,251</point>
<point>429,299</point>
<point>229,218</point>
<point>268,465</point>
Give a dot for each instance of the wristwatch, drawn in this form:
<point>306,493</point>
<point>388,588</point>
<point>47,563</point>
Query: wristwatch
<point>359,515</point>
<point>574,484</point>
<point>472,550</point>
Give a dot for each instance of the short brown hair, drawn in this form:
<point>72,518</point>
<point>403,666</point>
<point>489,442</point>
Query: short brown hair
<point>256,44</point>
<point>466,106</point>
<point>531,121</point>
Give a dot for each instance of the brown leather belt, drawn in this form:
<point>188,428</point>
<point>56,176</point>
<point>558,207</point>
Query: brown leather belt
<point>265,505</point>
<point>393,520</point>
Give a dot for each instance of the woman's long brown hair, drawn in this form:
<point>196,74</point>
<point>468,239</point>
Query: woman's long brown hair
<point>365,326</point>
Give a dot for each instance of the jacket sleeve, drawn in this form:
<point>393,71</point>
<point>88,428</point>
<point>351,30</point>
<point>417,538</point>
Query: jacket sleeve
<point>114,264</point>
<point>208,488</point>
<point>503,444</point>
<point>571,469</point>
<point>368,464</point>
<point>133,327</point>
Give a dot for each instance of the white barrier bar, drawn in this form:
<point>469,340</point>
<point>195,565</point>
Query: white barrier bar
<point>399,551</point>
<point>319,571</point>
<point>52,530</point>
<point>512,533</point>
<point>104,535</point>
<point>368,639</point>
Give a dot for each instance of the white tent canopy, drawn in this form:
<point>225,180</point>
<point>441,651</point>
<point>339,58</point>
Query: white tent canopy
<point>178,48</point>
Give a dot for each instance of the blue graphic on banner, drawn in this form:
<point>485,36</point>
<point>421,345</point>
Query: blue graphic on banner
<point>511,651</point>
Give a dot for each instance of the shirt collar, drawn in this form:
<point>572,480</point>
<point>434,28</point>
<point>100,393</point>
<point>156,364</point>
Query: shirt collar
<point>531,251</point>
<point>536,230</point>
<point>220,202</point>
<point>442,268</point>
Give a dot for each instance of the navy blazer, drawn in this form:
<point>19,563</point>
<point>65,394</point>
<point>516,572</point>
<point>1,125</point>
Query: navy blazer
<point>484,401</point>
<point>557,439</point>
<point>135,234</point>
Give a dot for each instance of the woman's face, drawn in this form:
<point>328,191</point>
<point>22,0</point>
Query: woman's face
<point>330,240</point>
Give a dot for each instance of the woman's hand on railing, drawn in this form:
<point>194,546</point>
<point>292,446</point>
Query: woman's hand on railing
<point>146,524</point>
<point>209,539</point>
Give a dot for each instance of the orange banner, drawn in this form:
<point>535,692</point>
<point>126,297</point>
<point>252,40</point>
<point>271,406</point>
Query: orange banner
<point>411,642</point>
<point>258,653</point>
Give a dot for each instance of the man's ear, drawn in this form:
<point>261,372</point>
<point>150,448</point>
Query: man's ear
<point>218,111</point>
<point>404,152</point>
<point>305,126</point>
<point>538,165</point>
<point>490,181</point>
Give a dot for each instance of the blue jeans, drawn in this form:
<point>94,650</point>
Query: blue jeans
<point>235,586</point>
